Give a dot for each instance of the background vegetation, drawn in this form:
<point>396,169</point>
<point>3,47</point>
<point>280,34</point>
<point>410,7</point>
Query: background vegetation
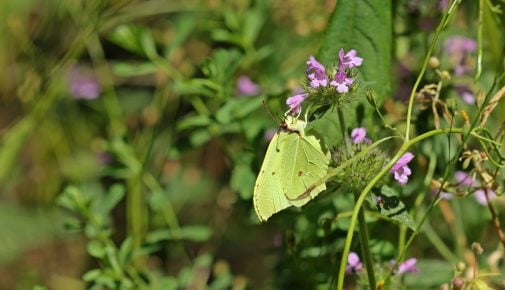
<point>129,148</point>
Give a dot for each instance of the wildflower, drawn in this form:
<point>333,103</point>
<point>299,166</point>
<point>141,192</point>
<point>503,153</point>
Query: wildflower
<point>295,103</point>
<point>460,44</point>
<point>83,85</point>
<point>246,87</point>
<point>358,135</point>
<point>316,73</point>
<point>466,94</point>
<point>458,48</point>
<point>349,59</point>
<point>353,263</point>
<point>464,179</point>
<point>480,195</point>
<point>400,170</point>
<point>409,266</point>
<point>341,82</point>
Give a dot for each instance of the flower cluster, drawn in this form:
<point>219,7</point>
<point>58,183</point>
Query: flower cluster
<point>466,181</point>
<point>459,48</point>
<point>354,265</point>
<point>319,78</point>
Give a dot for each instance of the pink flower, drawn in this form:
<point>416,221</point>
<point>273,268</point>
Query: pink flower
<point>295,103</point>
<point>460,44</point>
<point>353,263</point>
<point>409,266</point>
<point>246,87</point>
<point>83,85</point>
<point>480,196</point>
<point>349,59</point>
<point>341,82</point>
<point>464,92</point>
<point>316,73</point>
<point>358,135</point>
<point>400,170</point>
<point>463,178</point>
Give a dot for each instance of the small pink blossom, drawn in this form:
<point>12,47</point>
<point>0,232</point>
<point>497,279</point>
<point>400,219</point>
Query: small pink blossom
<point>295,103</point>
<point>341,82</point>
<point>480,195</point>
<point>316,73</point>
<point>464,92</point>
<point>400,170</point>
<point>460,44</point>
<point>463,179</point>
<point>358,135</point>
<point>409,266</point>
<point>353,263</point>
<point>349,59</point>
<point>246,87</point>
<point>83,85</point>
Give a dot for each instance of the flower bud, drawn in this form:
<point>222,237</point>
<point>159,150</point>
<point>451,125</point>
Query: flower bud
<point>433,62</point>
<point>458,283</point>
<point>477,248</point>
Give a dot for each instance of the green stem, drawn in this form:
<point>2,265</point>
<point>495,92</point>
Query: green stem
<point>363,230</point>
<point>368,188</point>
<point>365,247</point>
<point>442,24</point>
<point>343,131</point>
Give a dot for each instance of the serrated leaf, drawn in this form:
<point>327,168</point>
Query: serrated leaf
<point>390,206</point>
<point>364,25</point>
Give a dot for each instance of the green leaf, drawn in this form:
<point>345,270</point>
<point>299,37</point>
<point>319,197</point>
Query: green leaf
<point>112,198</point>
<point>390,206</point>
<point>96,249</point>
<point>129,69</point>
<point>364,25</point>
<point>197,233</point>
<point>91,275</point>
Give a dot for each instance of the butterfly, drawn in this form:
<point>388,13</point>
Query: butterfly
<point>293,162</point>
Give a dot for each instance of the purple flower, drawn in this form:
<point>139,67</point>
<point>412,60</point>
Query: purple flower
<point>465,93</point>
<point>460,44</point>
<point>409,266</point>
<point>480,195</point>
<point>400,170</point>
<point>83,85</point>
<point>353,263</point>
<point>442,4</point>
<point>316,73</point>
<point>463,179</point>
<point>349,59</point>
<point>358,135</point>
<point>341,82</point>
<point>246,87</point>
<point>295,103</point>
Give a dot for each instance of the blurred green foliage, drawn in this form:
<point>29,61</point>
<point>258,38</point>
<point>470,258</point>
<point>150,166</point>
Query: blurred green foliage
<point>123,122</point>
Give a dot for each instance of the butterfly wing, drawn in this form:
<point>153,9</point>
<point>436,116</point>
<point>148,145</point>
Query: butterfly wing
<point>268,197</point>
<point>303,163</point>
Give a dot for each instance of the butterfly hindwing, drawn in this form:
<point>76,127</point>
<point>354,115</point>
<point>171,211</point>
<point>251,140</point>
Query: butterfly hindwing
<point>302,165</point>
<point>268,196</point>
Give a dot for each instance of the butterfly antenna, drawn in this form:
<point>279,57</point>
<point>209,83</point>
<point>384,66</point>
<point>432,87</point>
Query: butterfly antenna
<point>265,107</point>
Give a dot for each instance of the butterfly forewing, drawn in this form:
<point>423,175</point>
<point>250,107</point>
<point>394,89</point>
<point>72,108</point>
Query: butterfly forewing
<point>268,196</point>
